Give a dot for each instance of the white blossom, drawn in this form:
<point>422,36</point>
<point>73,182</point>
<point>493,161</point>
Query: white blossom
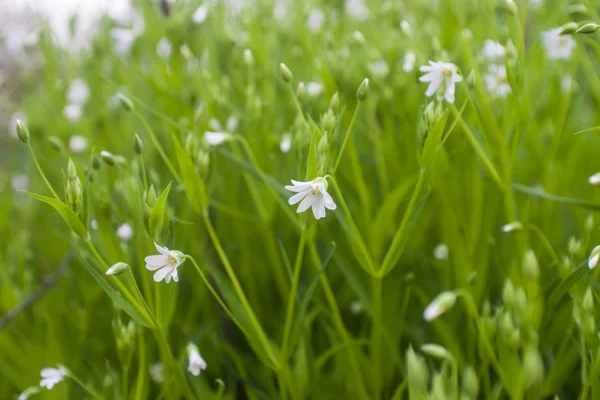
<point>409,61</point>
<point>557,46</point>
<point>493,51</point>
<point>594,179</point>
<point>73,112</point>
<point>442,78</point>
<point>122,40</point>
<point>315,20</point>
<point>125,231</point>
<point>215,138</point>
<point>94,224</point>
<point>440,252</point>
<point>165,264</point>
<point>594,256</point>
<point>196,363</point>
<point>78,91</point>
<point>19,182</point>
<point>513,226</point>
<point>496,81</point>
<point>314,89</point>
<point>232,123</point>
<point>357,9</point>
<point>157,372</point>
<point>52,376</point>
<point>78,144</point>
<point>379,68</point>
<point>163,48</point>
<point>286,142</point>
<point>442,303</point>
<point>200,14</point>
<point>311,194</point>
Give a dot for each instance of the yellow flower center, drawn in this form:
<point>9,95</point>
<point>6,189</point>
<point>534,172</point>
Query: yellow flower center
<point>172,261</point>
<point>446,73</point>
<point>314,192</point>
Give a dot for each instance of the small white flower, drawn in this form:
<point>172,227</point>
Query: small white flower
<point>196,363</point>
<point>440,252</point>
<point>78,92</point>
<point>166,263</point>
<point>215,124</point>
<point>78,144</point>
<point>215,138</point>
<point>314,89</point>
<point>594,256</point>
<point>286,142</point>
<point>200,14</point>
<point>557,46</point>
<point>357,9</point>
<point>513,226</point>
<point>379,68</point>
<point>94,224</point>
<point>409,61</point>
<point>356,307</point>
<point>496,81</point>
<point>442,78</point>
<point>122,39</point>
<point>594,179</point>
<point>442,303</point>
<point>566,84</point>
<point>52,376</point>
<point>157,372</point>
<point>163,48</point>
<point>125,231</point>
<point>313,193</point>
<point>19,182</point>
<point>232,123</point>
<point>315,20</point>
<point>493,51</point>
<point>405,28</point>
<point>73,112</point>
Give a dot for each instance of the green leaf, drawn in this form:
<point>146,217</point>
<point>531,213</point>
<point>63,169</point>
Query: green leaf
<point>311,162</point>
<point>194,186</point>
<point>157,214</point>
<point>559,199</point>
<point>565,285</point>
<point>433,141</point>
<point>65,212</point>
<point>594,129</point>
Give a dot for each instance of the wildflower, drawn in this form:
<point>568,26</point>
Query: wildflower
<point>125,231</point>
<point>78,144</point>
<point>442,78</point>
<point>557,46</point>
<point>196,363</point>
<point>200,14</point>
<point>440,252</point>
<point>94,224</point>
<point>442,303</point>
<point>19,182</point>
<point>73,112</point>
<point>594,256</point>
<point>357,9</point>
<point>215,138</point>
<point>78,92</point>
<point>594,179</point>
<point>315,20</point>
<point>122,39</point>
<point>313,193</point>
<point>513,226</point>
<point>163,48</point>
<point>279,10</point>
<point>493,51</point>
<point>409,61</point>
<point>356,307</point>
<point>496,81</point>
<point>117,269</point>
<point>166,263</point>
<point>286,142</point>
<point>52,376</point>
<point>157,372</point>
<point>314,89</point>
<point>379,68</point>
<point>232,123</point>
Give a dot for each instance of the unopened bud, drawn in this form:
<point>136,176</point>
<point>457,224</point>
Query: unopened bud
<point>22,132</point>
<point>508,293</point>
<point>334,104</point>
<point>285,72</point>
<point>594,179</point>
<point>418,374</point>
<point>138,145</point>
<point>125,101</point>
<point>248,58</point>
<point>71,171</point>
<point>117,269</point>
<point>363,90</point>
<point>588,301</point>
<point>471,79</point>
<point>442,303</point>
<point>323,145</point>
<point>594,256</point>
<point>589,223</point>
<point>300,91</point>
<point>470,383</point>
<point>151,196</point>
<point>107,157</point>
<point>512,227</point>
<point>359,37</point>
<point>437,351</point>
<point>533,368</point>
<point>95,162</point>
<point>568,28</point>
<point>520,300</point>
<point>406,29</point>
<point>530,265</point>
<point>512,7</point>
<point>328,121</point>
<point>574,246</point>
<point>56,143</point>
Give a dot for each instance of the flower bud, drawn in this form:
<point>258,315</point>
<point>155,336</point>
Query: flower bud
<point>363,90</point>
<point>594,179</point>
<point>512,227</point>
<point>512,7</point>
<point>594,256</point>
<point>117,269</point>
<point>300,91</point>
<point>107,157</point>
<point>437,351</point>
<point>533,368</point>
<point>248,58</point>
<point>568,28</point>
<point>588,301</point>
<point>577,10</point>
<point>334,104</point>
<point>138,145</point>
<point>470,383</point>
<point>418,374</point>
<point>328,121</point>
<point>285,72</point>
<point>56,143</point>
<point>442,303</point>
<point>530,265</point>
<point>574,245</point>
<point>22,132</point>
<point>126,102</point>
<point>71,170</point>
<point>406,29</point>
<point>471,79</point>
<point>508,293</point>
<point>588,28</point>
<point>359,37</point>
<point>125,335</point>
<point>589,223</point>
<point>520,300</point>
<point>95,162</point>
<point>323,145</point>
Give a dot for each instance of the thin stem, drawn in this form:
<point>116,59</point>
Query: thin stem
<point>144,173</point>
<point>162,340</point>
<point>339,157</point>
<point>298,107</point>
<point>377,335</point>
<point>37,164</point>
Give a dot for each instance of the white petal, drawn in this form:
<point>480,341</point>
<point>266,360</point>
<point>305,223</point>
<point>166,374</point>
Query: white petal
<point>433,86</point>
<point>156,261</point>
<point>449,97</point>
<point>330,206</point>
<point>161,273</point>
<point>175,276</point>
<point>318,207</point>
<point>49,373</point>
<point>593,261</point>
<point>298,196</point>
<point>456,77</point>
<point>161,250</point>
<point>307,202</point>
<point>168,276</point>
<point>327,196</point>
<point>429,77</point>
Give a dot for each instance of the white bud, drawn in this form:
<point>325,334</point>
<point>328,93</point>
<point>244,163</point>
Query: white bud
<point>442,303</point>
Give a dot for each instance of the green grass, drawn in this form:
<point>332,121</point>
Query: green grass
<point>279,304</point>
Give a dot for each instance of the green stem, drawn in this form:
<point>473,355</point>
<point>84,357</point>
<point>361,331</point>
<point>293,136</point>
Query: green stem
<point>37,165</point>
<point>86,388</point>
<point>298,107</point>
<point>377,335</point>
<point>162,340</point>
<point>144,173</point>
<point>341,153</point>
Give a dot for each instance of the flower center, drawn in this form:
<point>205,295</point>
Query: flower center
<point>172,261</point>
<point>446,73</point>
<point>315,192</point>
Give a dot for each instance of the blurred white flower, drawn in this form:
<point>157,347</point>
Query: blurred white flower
<point>440,252</point>
<point>163,48</point>
<point>286,142</point>
<point>78,91</point>
<point>215,124</point>
<point>406,29</point>
<point>232,123</point>
<point>409,61</point>
<point>94,224</point>
<point>200,14</point>
<point>315,20</point>
<point>196,363</point>
<point>313,194</point>
<point>496,81</point>
<point>442,78</point>
<point>314,89</point>
<point>122,40</point>
<point>215,138</point>
<point>379,68</point>
<point>566,84</point>
<point>513,226</point>
<point>166,263</point>
<point>157,372</point>
<point>125,231</point>
<point>442,303</point>
<point>19,182</point>
<point>52,376</point>
<point>78,144</point>
<point>594,179</point>
<point>357,9</point>
<point>279,11</point>
<point>594,257</point>
<point>557,46</point>
<point>356,307</point>
<point>536,3</point>
<point>493,51</point>
<point>73,112</point>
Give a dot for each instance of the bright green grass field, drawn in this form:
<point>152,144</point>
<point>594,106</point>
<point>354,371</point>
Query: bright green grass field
<point>484,202</point>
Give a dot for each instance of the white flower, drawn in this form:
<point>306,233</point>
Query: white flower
<point>279,10</point>
<point>73,112</point>
<point>78,144</point>
<point>442,303</point>
<point>442,78</point>
<point>286,142</point>
<point>196,363</point>
<point>594,256</point>
<point>78,92</point>
<point>157,372</point>
<point>19,182</point>
<point>166,263</point>
<point>315,20</point>
<point>440,252</point>
<point>122,39</point>
<point>557,46</point>
<point>379,68</point>
<point>493,51</point>
<point>125,231</point>
<point>356,307</point>
<point>566,84</point>
<point>94,224</point>
<point>232,123</point>
<point>409,61</point>
<point>513,226</point>
<point>215,138</point>
<point>357,9</point>
<point>200,14</point>
<point>163,48</point>
<point>313,193</point>
<point>52,376</point>
<point>496,81</point>
<point>314,89</point>
<point>594,179</point>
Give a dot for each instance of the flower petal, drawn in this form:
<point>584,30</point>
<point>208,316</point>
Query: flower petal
<point>433,86</point>
<point>298,196</point>
<point>307,202</point>
<point>162,273</point>
<point>175,275</point>
<point>161,250</point>
<point>154,262</point>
